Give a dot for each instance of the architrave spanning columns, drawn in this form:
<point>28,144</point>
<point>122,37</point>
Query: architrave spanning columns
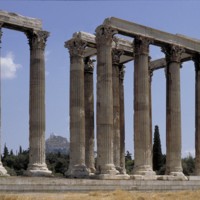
<point>159,38</point>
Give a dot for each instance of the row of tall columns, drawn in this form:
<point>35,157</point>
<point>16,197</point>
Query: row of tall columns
<point>37,164</point>
<point>110,161</point>
<point>110,113</point>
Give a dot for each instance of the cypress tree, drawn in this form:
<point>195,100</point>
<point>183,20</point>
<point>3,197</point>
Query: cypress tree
<point>157,151</point>
<point>5,151</point>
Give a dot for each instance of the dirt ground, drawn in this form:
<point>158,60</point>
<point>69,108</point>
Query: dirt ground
<point>115,195</point>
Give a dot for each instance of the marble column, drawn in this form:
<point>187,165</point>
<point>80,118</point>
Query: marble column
<point>116,107</point>
<point>197,114</point>
<point>89,114</point>
<point>122,119</point>
<point>142,135</point>
<point>77,167</point>
<point>3,171</point>
<point>150,103</point>
<point>173,112</point>
<point>105,166</point>
<point>37,164</point>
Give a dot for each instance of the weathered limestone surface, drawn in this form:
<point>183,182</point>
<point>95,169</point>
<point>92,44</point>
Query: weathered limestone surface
<point>105,166</point>
<point>89,114</point>
<point>197,114</point>
<point>77,166</point>
<point>37,165</point>
<point>142,137</point>
<point>173,123</point>
<point>19,22</point>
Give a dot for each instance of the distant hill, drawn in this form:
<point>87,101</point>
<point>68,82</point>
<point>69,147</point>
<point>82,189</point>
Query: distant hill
<point>55,144</point>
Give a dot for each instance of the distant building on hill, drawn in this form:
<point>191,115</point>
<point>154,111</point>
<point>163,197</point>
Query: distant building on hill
<point>55,144</point>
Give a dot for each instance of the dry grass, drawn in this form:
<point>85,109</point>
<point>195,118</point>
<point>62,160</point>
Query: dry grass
<point>116,195</point>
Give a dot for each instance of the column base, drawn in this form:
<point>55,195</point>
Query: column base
<point>108,169</point>
<point>3,171</point>
<point>179,175</point>
<point>144,170</point>
<point>92,170</point>
<point>175,176</point>
<point>38,170</point>
<point>77,171</point>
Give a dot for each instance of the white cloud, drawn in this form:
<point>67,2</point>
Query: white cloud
<point>8,66</point>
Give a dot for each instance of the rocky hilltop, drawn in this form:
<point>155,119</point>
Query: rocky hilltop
<point>55,144</point>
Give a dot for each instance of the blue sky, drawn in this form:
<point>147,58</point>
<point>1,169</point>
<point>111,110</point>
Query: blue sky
<point>62,19</point>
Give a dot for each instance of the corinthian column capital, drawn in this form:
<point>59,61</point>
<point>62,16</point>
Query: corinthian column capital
<point>76,47</point>
<point>173,53</point>
<point>104,35</point>
<point>141,45</point>
<point>37,39</point>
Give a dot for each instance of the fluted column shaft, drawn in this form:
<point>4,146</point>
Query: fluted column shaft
<point>116,107</point>
<point>173,112</point>
<point>104,38</point>
<point>37,165</point>
<point>77,166</point>
<point>197,115</point>
<point>122,119</point>
<point>89,114</point>
<point>142,136</point>
<point>3,171</point>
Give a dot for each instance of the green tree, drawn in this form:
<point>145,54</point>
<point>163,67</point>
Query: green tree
<point>157,151</point>
<point>129,163</point>
<point>11,152</point>
<point>20,149</point>
<point>5,152</point>
<point>188,164</point>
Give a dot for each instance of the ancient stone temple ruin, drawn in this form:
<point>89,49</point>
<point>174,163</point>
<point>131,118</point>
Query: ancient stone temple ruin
<point>37,41</point>
<point>112,53</point>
